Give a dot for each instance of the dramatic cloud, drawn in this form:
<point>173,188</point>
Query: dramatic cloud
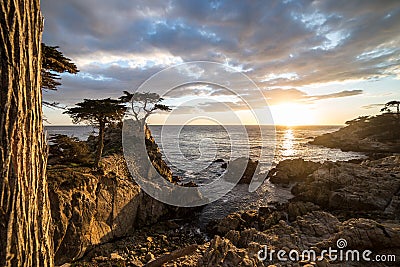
<point>291,43</point>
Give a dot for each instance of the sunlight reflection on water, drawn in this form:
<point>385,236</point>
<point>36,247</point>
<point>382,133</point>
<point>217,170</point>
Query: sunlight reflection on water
<point>287,146</point>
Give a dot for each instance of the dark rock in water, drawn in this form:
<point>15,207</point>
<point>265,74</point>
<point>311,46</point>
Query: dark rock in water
<point>224,165</point>
<point>190,184</point>
<point>292,170</point>
<point>333,191</point>
<point>219,160</point>
<point>236,167</point>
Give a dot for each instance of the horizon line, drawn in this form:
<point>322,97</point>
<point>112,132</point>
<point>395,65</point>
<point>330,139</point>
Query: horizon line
<point>278,125</point>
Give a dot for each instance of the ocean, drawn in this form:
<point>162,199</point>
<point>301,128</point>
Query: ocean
<point>191,152</point>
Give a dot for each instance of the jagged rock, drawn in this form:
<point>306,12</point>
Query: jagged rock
<point>371,185</point>
<point>316,230</point>
<point>244,166</point>
<point>266,222</point>
<point>93,207</point>
<point>361,233</point>
<point>295,209</point>
<point>89,208</point>
<point>116,256</point>
<point>231,222</point>
<point>223,253</point>
<point>156,157</point>
<point>292,170</point>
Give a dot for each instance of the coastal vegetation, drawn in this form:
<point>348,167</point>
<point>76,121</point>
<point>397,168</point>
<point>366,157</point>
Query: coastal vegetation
<point>143,105</point>
<point>99,113</point>
<point>380,133</point>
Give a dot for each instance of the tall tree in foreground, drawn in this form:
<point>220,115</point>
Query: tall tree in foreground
<point>53,64</point>
<point>25,219</point>
<point>98,113</point>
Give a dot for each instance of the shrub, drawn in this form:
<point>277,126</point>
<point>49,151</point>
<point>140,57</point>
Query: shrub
<point>68,150</point>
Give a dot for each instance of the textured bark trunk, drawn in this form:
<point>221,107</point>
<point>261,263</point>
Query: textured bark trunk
<point>100,145</point>
<point>25,221</point>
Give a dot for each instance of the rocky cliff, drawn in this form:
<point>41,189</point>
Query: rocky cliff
<point>91,207</point>
<point>365,134</point>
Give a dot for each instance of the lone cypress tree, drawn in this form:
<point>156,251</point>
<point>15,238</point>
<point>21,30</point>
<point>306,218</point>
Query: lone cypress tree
<point>143,105</point>
<point>98,113</point>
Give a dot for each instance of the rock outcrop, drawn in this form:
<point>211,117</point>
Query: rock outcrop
<point>90,208</point>
<point>245,167</point>
<point>366,187</point>
<point>379,134</point>
<point>292,170</point>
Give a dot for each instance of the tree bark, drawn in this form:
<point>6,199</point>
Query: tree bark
<point>25,220</point>
<point>100,145</point>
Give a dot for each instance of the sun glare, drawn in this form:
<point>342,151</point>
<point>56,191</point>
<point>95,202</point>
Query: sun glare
<point>290,114</point>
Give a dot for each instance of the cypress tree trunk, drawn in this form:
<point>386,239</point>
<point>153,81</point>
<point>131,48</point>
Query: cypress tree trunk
<point>25,220</point>
<point>100,145</point>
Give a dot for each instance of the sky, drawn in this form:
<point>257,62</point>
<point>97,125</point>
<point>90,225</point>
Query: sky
<point>309,62</point>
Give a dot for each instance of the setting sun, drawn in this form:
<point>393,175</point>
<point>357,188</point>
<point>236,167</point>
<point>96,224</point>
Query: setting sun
<point>292,114</point>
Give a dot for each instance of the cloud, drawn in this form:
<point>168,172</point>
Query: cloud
<point>279,96</point>
<point>209,99</point>
<point>276,43</point>
<point>338,95</point>
<point>373,106</point>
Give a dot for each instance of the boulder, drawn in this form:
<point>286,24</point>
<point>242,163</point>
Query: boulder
<point>292,170</point>
<point>236,167</point>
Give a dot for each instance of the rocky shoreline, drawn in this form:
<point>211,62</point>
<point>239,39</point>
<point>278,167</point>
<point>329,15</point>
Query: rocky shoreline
<point>104,219</point>
<point>311,220</point>
<point>375,134</point>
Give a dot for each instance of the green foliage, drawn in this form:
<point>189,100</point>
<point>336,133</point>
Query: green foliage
<point>97,112</point>
<point>383,128</point>
<point>391,104</point>
<point>68,150</point>
<point>361,119</point>
<point>54,62</point>
<point>143,104</point>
